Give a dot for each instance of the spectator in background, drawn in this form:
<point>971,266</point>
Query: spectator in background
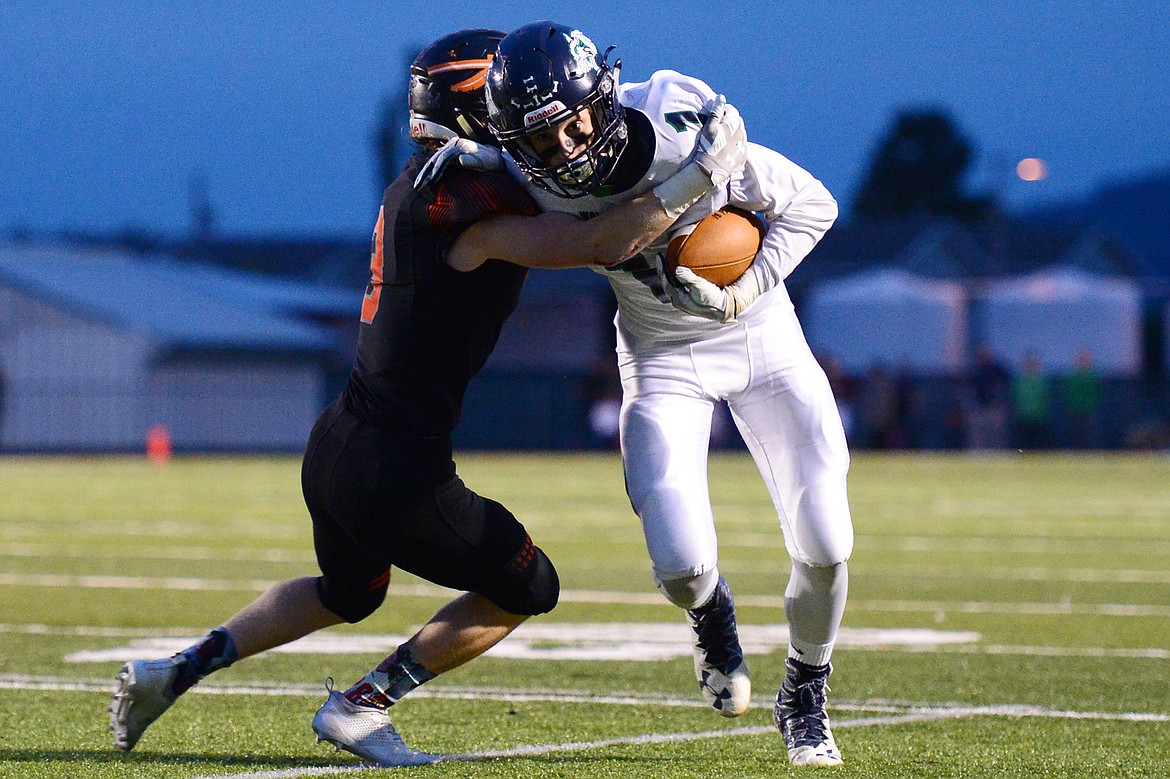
<point>1082,401</point>
<point>908,406</point>
<point>604,392</point>
<point>1031,399</point>
<point>954,427</point>
<point>987,415</point>
<point>845,392</point>
<point>882,404</point>
<point>3,398</point>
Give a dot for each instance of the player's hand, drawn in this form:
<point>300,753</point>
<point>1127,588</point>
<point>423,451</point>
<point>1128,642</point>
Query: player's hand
<point>692,294</point>
<point>720,153</point>
<point>721,149</point>
<point>468,153</point>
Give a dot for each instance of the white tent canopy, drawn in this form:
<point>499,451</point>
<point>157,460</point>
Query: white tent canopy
<point>889,317</point>
<point>1059,312</point>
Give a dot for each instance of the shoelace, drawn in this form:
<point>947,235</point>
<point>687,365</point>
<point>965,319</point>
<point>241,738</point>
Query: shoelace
<point>714,627</point>
<point>805,713</point>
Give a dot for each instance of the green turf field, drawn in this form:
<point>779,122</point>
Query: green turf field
<point>1009,617</point>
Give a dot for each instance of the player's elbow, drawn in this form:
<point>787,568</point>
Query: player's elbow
<point>827,204</point>
<point>832,210</point>
<point>615,251</point>
<point>816,203</point>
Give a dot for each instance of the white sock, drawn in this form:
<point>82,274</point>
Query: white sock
<point>814,603</point>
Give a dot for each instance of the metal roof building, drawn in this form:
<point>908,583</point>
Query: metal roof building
<point>97,346</point>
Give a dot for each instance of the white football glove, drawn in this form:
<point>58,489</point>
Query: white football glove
<point>720,153</point>
<point>468,153</point>
<point>692,294</point>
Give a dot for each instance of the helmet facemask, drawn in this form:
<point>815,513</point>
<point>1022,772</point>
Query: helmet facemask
<point>593,165</point>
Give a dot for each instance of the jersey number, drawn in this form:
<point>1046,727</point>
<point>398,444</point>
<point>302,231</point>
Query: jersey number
<point>374,288</point>
<point>681,120</point>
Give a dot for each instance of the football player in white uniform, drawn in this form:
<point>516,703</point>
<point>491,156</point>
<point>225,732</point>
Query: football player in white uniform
<point>586,143</point>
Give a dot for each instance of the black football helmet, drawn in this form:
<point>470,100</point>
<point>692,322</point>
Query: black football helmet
<point>446,87</point>
<point>544,73</point>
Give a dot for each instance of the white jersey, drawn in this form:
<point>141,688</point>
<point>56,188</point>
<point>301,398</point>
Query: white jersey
<point>796,206</point>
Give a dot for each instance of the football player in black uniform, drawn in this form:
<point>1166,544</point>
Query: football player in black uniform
<point>378,475</point>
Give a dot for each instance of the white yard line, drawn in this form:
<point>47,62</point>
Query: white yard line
<point>1000,545</point>
<point>986,607</point>
<point>886,707</point>
<point>576,641</point>
<point>202,584</point>
<point>135,552</point>
<point>105,582</point>
<point>240,530</point>
<point>891,713</point>
<point>1036,573</point>
<point>1030,574</point>
<point>262,689</point>
<point>919,714</point>
<point>40,629</point>
<point>28,683</point>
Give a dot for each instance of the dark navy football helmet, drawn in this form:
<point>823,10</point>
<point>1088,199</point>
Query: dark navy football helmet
<point>544,73</point>
<point>447,87</point>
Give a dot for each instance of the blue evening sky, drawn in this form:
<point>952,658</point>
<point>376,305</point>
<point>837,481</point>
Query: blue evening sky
<point>108,108</point>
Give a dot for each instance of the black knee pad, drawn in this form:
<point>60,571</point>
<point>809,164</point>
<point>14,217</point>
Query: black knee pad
<point>352,601</point>
<point>544,587</point>
<point>528,583</point>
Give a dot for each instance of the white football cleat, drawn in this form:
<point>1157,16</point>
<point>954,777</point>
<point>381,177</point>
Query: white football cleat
<point>142,694</point>
<point>729,694</point>
<point>719,666</point>
<point>365,731</point>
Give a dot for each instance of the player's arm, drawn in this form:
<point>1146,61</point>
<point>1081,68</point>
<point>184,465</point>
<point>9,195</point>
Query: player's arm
<point>798,209</point>
<point>557,240</point>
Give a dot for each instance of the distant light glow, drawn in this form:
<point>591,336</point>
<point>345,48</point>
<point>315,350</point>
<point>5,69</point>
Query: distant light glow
<point>1032,169</point>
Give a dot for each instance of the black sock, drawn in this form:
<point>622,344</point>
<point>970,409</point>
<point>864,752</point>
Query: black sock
<point>803,671</point>
<point>215,651</point>
<point>394,677</point>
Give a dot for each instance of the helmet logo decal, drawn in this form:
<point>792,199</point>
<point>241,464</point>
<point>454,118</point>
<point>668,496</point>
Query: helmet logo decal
<point>542,113</point>
<point>422,129</point>
<point>472,82</point>
<point>534,97</point>
<point>582,50</point>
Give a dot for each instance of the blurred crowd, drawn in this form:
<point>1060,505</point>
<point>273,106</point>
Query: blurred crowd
<point>994,407</point>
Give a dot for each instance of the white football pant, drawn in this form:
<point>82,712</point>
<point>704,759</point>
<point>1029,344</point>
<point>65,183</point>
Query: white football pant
<point>783,407</point>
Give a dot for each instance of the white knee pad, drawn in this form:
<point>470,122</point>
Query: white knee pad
<point>689,592</point>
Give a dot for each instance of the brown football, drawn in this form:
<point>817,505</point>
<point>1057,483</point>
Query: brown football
<point>720,248</point>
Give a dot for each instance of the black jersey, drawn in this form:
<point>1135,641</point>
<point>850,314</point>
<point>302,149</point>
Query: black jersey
<point>427,328</point>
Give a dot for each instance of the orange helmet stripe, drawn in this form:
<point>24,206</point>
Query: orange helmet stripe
<point>470,83</point>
